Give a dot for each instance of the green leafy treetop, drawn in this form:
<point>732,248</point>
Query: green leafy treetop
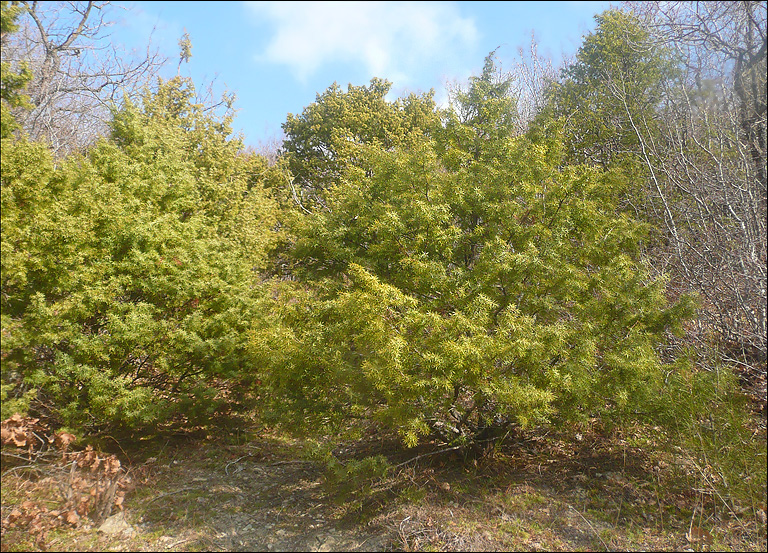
<point>318,142</point>
<point>614,87</point>
<point>465,299</point>
<point>12,80</point>
<point>481,116</point>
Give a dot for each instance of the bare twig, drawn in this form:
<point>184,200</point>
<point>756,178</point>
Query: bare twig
<point>33,467</point>
<point>297,462</point>
<point>226,468</point>
<point>428,454</point>
<point>78,72</point>
<point>590,525</point>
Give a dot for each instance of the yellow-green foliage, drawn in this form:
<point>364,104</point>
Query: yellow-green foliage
<point>317,141</point>
<point>128,273</point>
<point>454,286</point>
<point>12,82</point>
<point>439,273</point>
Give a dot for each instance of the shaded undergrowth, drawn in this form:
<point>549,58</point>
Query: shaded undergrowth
<point>265,491</point>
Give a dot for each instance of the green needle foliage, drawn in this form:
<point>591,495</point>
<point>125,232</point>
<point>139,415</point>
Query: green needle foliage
<point>128,273</point>
<point>12,81</point>
<point>460,287</point>
<point>318,142</point>
<point>612,91</point>
<point>431,270</point>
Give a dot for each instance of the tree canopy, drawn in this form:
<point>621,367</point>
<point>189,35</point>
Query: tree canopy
<point>453,299</point>
<point>613,88</point>
<point>127,284</point>
<point>317,142</point>
<point>446,272</point>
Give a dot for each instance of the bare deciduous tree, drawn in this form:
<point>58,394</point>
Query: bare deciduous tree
<point>533,74</point>
<point>708,165</point>
<point>77,70</point>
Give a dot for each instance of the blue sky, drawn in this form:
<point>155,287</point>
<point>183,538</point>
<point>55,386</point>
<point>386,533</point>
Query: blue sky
<point>277,56</point>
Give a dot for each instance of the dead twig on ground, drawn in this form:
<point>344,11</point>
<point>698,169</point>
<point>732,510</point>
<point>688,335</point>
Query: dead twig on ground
<point>590,525</point>
<point>427,455</point>
<point>226,468</point>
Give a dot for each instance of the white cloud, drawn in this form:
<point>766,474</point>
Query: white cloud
<point>393,40</point>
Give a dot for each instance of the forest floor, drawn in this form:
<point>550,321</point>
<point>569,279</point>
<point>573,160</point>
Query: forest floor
<point>267,492</point>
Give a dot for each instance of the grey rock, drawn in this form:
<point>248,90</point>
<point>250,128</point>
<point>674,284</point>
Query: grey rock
<point>116,524</point>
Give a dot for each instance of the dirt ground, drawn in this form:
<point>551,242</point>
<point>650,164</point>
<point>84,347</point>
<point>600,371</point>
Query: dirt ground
<point>250,504</point>
<point>270,494</point>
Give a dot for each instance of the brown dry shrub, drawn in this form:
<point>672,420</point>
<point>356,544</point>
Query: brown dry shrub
<point>86,484</point>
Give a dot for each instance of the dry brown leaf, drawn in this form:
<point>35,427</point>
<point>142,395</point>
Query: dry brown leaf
<point>36,527</point>
<point>95,464</point>
<point>5,434</point>
<point>699,535</point>
<point>19,437</point>
<point>112,465</point>
<point>82,508</point>
<point>72,517</point>
<point>63,439</point>
<point>18,430</point>
<point>87,456</point>
<point>12,433</point>
<point>79,483</point>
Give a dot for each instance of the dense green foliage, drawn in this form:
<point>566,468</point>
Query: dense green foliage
<point>457,290</point>
<point>655,93</point>
<point>611,91</point>
<point>12,80</point>
<point>128,273</point>
<point>479,118</point>
<point>437,271</point>
<point>317,144</point>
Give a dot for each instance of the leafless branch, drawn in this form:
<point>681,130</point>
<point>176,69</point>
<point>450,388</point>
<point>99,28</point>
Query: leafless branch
<point>78,71</point>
